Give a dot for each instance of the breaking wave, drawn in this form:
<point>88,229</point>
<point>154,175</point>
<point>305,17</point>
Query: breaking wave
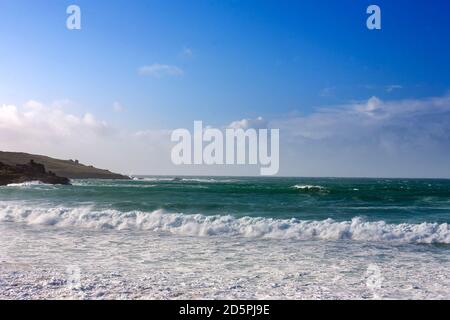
<point>178,179</point>
<point>200,225</point>
<point>28,184</point>
<point>307,187</point>
<point>152,179</point>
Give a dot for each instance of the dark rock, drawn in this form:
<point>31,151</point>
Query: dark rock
<point>72,169</point>
<point>32,171</point>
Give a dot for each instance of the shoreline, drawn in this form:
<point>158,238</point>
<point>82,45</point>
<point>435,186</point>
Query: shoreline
<point>85,265</point>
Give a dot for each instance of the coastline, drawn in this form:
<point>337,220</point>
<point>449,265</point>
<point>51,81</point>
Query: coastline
<point>224,238</point>
<point>146,266</point>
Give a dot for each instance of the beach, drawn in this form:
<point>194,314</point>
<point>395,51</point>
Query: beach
<point>224,238</point>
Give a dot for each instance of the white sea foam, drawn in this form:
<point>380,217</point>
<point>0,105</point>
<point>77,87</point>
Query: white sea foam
<point>308,187</point>
<point>152,179</point>
<point>28,184</point>
<point>199,225</point>
<point>146,265</point>
<point>205,180</point>
<point>202,180</point>
<point>81,183</point>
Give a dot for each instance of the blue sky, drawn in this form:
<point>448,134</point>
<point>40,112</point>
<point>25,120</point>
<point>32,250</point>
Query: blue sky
<point>232,59</point>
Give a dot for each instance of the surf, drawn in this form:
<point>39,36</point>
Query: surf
<point>357,229</point>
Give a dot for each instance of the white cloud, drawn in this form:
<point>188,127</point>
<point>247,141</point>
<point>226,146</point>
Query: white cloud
<point>258,123</point>
<point>371,138</point>
<point>160,70</point>
<point>370,108</point>
<point>118,107</point>
<point>328,92</point>
<point>49,130</point>
<point>409,138</point>
<point>186,53</point>
<point>32,104</point>
<point>38,128</point>
<point>35,118</point>
<point>393,87</point>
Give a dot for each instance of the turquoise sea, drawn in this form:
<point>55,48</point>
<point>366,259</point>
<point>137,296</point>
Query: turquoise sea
<point>228,237</point>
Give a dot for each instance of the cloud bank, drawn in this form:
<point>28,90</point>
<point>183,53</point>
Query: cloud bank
<point>51,130</point>
<point>160,70</point>
<point>406,138</point>
<point>373,138</point>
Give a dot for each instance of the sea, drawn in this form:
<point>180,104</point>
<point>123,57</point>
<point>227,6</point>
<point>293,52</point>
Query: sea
<point>158,237</point>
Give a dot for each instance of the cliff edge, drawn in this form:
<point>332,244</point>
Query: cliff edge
<point>71,169</point>
<point>32,171</point>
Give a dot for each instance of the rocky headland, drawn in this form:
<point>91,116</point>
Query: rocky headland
<point>32,171</point>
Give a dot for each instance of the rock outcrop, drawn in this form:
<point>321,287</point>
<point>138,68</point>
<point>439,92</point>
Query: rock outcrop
<point>32,171</point>
<point>71,169</point>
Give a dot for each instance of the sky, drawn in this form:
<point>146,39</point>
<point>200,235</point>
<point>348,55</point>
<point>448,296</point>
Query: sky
<point>348,101</point>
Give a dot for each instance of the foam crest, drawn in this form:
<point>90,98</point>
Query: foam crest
<point>178,179</point>
<point>307,187</point>
<point>200,225</point>
<point>28,184</point>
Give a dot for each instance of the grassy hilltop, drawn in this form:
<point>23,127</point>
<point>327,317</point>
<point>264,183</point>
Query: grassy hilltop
<point>71,169</point>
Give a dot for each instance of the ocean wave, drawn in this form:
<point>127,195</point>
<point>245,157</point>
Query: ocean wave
<point>28,184</point>
<point>111,185</point>
<point>200,225</point>
<point>179,179</point>
<point>152,179</point>
<point>308,187</point>
<point>205,180</point>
